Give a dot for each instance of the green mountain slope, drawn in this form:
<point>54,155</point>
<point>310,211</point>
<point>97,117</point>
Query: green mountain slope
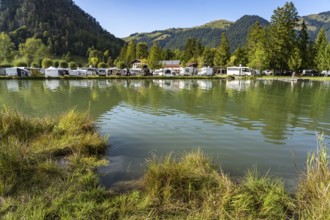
<point>209,34</point>
<point>316,21</point>
<point>61,24</point>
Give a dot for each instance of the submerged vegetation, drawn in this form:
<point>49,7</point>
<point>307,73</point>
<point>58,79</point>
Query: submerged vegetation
<point>47,171</point>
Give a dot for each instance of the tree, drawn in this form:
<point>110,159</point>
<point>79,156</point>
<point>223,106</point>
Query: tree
<point>295,60</point>
<point>120,61</point>
<point>320,46</point>
<point>222,53</point>
<point>131,51</point>
<point>6,47</point>
<point>208,56</point>
<point>239,57</point>
<point>282,36</point>
<point>102,65</point>
<point>256,41</point>
<point>259,59</point>
<point>326,60</point>
<point>154,56</point>
<point>142,50</point>
<point>303,43</point>
<point>33,50</point>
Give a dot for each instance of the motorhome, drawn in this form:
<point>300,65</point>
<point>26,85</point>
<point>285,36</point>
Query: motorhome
<point>239,71</point>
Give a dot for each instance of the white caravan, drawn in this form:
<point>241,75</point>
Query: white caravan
<point>239,71</point>
<point>187,71</point>
<point>205,71</point>
<point>17,71</point>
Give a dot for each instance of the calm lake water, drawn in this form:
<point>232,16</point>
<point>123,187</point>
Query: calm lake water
<point>270,125</point>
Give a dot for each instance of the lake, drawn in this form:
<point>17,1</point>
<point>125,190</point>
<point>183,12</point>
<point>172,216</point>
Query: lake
<point>267,124</point>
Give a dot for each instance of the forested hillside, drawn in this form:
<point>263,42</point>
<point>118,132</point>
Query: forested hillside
<point>61,25</point>
<point>208,34</point>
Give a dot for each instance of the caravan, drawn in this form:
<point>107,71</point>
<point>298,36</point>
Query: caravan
<point>17,71</point>
<point>205,71</point>
<point>239,71</point>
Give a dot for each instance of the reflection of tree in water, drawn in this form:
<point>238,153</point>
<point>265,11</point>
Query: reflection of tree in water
<point>273,107</point>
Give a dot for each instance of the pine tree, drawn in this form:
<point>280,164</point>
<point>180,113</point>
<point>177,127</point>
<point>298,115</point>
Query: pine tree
<point>320,46</point>
<point>131,51</point>
<point>256,40</point>
<point>282,36</point>
<point>303,42</point>
<point>295,60</point>
<point>154,56</point>
<point>142,50</point>
<point>222,54</point>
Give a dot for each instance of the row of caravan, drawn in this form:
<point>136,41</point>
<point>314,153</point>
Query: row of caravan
<point>184,71</point>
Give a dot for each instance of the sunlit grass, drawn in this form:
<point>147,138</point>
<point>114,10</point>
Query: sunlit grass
<point>313,195</point>
<point>47,171</point>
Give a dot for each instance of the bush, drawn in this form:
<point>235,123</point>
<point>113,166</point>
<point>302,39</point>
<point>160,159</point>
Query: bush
<point>73,65</point>
<point>63,64</point>
<point>4,65</point>
<point>20,63</point>
<point>56,63</point>
<point>102,65</point>
<point>35,65</point>
<point>46,63</point>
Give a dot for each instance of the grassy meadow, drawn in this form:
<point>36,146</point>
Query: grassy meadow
<point>48,171</point>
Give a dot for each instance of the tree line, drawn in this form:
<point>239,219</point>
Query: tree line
<point>283,45</point>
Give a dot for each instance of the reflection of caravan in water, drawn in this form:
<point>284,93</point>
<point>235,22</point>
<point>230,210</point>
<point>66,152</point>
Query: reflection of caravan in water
<point>239,71</point>
<point>239,85</point>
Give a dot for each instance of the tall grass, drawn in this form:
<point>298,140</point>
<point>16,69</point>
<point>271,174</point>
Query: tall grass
<point>47,171</point>
<point>313,195</point>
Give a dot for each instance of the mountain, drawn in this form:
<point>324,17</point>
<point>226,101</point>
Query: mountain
<point>316,21</point>
<point>209,34</point>
<point>61,24</point>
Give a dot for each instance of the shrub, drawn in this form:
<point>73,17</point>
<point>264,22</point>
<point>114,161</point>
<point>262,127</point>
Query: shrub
<point>20,63</point>
<point>63,64</point>
<point>102,65</point>
<point>56,63</point>
<point>35,65</point>
<point>73,65</point>
<point>46,63</point>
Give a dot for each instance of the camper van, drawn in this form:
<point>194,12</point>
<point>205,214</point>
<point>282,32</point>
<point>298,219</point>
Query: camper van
<point>239,71</point>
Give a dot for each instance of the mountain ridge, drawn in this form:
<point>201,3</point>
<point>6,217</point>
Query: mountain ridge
<point>61,24</point>
<point>209,33</point>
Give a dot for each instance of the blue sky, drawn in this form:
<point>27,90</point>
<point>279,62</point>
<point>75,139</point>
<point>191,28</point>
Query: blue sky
<point>124,17</point>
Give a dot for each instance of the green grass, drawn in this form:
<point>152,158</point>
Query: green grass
<point>47,171</point>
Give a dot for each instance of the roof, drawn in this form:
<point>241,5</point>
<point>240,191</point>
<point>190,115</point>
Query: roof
<point>136,61</point>
<point>169,62</point>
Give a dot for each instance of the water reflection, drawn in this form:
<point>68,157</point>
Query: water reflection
<point>242,123</point>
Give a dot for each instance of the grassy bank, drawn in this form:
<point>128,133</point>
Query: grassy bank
<point>47,171</point>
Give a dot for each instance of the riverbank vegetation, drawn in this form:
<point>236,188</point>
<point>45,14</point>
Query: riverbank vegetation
<point>47,171</point>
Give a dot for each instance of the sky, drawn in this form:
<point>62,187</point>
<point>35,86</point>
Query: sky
<point>125,17</point>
